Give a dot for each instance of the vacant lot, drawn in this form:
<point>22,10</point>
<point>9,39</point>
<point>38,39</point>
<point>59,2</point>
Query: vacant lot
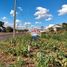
<point>50,50</point>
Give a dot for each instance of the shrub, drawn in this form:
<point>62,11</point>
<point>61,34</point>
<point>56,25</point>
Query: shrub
<point>9,29</point>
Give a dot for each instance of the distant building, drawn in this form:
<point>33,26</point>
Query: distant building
<point>57,27</point>
<point>53,28</point>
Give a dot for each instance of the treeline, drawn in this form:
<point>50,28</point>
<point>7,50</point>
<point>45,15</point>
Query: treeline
<point>5,29</point>
<point>64,26</point>
<point>9,29</point>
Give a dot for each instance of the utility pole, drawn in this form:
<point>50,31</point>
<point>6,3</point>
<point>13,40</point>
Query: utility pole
<point>14,27</point>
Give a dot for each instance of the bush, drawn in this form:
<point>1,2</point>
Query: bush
<point>9,29</point>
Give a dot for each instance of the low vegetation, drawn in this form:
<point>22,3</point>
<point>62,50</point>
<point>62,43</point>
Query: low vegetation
<point>50,50</point>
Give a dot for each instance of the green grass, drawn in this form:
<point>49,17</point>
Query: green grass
<point>49,51</point>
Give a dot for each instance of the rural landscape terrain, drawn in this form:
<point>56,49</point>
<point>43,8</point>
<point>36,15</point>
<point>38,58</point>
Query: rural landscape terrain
<point>33,33</point>
<point>50,50</point>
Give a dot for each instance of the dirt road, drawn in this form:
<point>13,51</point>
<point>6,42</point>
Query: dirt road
<point>4,36</point>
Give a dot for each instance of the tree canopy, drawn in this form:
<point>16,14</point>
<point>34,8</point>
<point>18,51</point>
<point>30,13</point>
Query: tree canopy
<point>1,24</point>
<point>64,25</point>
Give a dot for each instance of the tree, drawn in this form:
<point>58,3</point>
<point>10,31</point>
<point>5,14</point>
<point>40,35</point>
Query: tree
<point>64,25</point>
<point>51,29</point>
<point>9,29</point>
<point>1,24</point>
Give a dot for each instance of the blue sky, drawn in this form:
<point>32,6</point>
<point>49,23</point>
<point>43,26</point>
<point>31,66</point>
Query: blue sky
<point>34,12</point>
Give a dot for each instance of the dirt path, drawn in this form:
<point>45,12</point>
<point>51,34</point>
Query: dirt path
<point>4,36</point>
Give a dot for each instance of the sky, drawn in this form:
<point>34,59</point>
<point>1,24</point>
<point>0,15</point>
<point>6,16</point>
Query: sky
<point>33,13</point>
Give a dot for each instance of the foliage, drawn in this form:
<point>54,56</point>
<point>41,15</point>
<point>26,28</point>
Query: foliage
<point>51,29</point>
<point>9,29</point>
<point>1,24</point>
<point>49,51</point>
<point>64,25</point>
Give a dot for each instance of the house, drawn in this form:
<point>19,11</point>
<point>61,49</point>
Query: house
<point>57,27</point>
<point>53,28</point>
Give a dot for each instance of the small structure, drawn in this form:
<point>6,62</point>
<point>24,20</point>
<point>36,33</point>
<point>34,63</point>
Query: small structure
<point>54,28</point>
<point>57,27</point>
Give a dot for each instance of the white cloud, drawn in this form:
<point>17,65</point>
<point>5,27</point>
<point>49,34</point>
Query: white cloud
<point>6,24</point>
<point>12,13</point>
<point>27,23</point>
<point>42,13</point>
<point>63,10</point>
<point>18,23</point>
<point>11,24</point>
<point>48,19</point>
<point>20,8</point>
<point>17,20</point>
<point>4,18</point>
<point>37,22</point>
